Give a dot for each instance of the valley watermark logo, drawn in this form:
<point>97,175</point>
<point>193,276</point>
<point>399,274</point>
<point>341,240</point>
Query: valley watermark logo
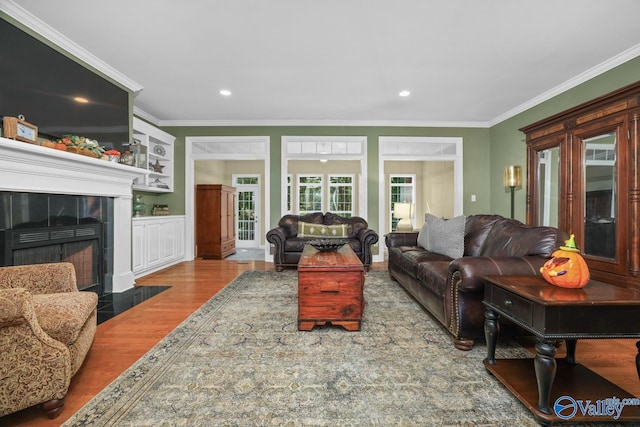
<point>566,407</point>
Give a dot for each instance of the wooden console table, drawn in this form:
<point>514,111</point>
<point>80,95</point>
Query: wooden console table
<point>330,287</point>
<point>551,313</point>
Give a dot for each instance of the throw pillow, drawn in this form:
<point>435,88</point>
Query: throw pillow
<point>443,236</point>
<point>306,229</point>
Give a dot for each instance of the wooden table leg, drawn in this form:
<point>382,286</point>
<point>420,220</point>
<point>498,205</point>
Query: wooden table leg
<point>491,331</point>
<point>545,366</point>
<point>571,351</point>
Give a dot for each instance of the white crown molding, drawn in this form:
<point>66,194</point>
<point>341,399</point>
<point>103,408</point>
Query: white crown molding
<point>21,15</point>
<point>337,123</point>
<point>146,116</point>
<point>601,68</point>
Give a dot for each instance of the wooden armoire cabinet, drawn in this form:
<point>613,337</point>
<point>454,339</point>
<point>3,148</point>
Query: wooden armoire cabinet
<point>215,221</point>
<point>583,176</point>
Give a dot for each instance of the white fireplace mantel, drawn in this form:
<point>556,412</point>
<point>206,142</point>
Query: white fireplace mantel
<point>31,168</point>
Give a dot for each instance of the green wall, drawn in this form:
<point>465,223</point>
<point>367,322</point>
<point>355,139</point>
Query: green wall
<point>476,160</point>
<point>508,144</point>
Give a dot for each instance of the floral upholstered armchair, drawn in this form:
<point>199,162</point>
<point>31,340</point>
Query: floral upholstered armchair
<point>46,329</point>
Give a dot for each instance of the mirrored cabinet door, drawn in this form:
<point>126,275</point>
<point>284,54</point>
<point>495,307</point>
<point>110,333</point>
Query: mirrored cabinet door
<point>599,195</point>
<point>548,193</point>
<point>584,178</point>
<point>546,203</point>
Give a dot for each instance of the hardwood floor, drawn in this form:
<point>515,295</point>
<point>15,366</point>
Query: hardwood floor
<point>122,340</point>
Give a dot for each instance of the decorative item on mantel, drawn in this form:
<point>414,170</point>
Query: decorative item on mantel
<point>114,155</point>
<point>566,268</point>
<point>19,129</point>
<point>127,158</point>
<point>83,145</point>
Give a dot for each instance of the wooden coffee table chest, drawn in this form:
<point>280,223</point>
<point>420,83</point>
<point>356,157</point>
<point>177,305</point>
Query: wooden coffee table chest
<point>330,286</point>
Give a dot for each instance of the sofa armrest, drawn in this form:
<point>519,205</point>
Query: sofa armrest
<point>40,278</point>
<point>277,236</point>
<point>367,237</point>
<point>17,311</point>
<point>395,239</point>
<point>469,272</point>
<point>36,368</point>
<point>464,311</point>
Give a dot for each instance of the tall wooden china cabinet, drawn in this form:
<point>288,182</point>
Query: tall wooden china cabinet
<point>583,177</point>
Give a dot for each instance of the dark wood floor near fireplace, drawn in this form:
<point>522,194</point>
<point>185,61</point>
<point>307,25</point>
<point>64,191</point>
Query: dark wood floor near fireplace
<point>110,305</point>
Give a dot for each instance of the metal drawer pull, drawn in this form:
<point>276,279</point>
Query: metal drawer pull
<point>508,303</point>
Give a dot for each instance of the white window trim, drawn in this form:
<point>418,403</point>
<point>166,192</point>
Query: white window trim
<point>352,185</point>
<point>330,148</point>
<point>321,184</point>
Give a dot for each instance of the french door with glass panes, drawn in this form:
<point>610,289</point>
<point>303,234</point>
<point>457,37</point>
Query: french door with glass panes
<point>247,210</point>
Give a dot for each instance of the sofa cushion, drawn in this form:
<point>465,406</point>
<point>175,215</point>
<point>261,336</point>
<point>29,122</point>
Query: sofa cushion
<point>62,315</point>
<point>408,258</point>
<point>290,222</point>
<point>434,273</point>
<point>443,236</point>
<point>477,229</point>
<point>296,244</point>
<point>306,229</point>
<point>355,224</point>
<point>510,237</point>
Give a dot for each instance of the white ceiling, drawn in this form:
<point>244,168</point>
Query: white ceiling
<point>466,62</point>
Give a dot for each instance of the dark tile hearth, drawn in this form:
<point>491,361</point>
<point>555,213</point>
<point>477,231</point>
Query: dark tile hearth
<point>110,305</point>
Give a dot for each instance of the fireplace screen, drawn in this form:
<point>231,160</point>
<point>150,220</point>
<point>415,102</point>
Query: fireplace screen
<point>79,245</point>
<point>84,255</point>
<point>42,228</point>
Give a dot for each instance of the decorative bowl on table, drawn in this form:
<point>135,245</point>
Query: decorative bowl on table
<point>328,244</point>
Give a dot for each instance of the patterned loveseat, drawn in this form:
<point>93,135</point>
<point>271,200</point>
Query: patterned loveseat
<point>294,231</point>
<point>46,329</point>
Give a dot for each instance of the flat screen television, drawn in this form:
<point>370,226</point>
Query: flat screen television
<point>40,83</point>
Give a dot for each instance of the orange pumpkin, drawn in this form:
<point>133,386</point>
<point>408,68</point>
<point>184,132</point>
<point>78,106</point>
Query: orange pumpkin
<point>566,268</point>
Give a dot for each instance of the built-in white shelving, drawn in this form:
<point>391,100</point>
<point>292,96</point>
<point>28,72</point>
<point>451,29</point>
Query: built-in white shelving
<point>153,151</point>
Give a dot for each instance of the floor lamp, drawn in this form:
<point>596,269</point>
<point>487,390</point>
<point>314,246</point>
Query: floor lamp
<point>512,180</point>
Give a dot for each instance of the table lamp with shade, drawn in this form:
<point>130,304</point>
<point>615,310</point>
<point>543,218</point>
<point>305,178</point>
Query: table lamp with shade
<point>403,211</point>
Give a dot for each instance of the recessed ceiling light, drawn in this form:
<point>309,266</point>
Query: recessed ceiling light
<point>225,92</point>
<point>404,93</point>
<point>81,100</point>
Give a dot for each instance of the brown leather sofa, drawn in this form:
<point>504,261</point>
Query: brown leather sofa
<point>452,290</point>
<point>288,245</point>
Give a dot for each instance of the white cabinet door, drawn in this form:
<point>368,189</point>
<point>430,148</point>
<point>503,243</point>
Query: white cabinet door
<point>167,240</point>
<point>153,231</point>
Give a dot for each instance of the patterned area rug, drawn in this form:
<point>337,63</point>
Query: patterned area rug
<point>240,360</point>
